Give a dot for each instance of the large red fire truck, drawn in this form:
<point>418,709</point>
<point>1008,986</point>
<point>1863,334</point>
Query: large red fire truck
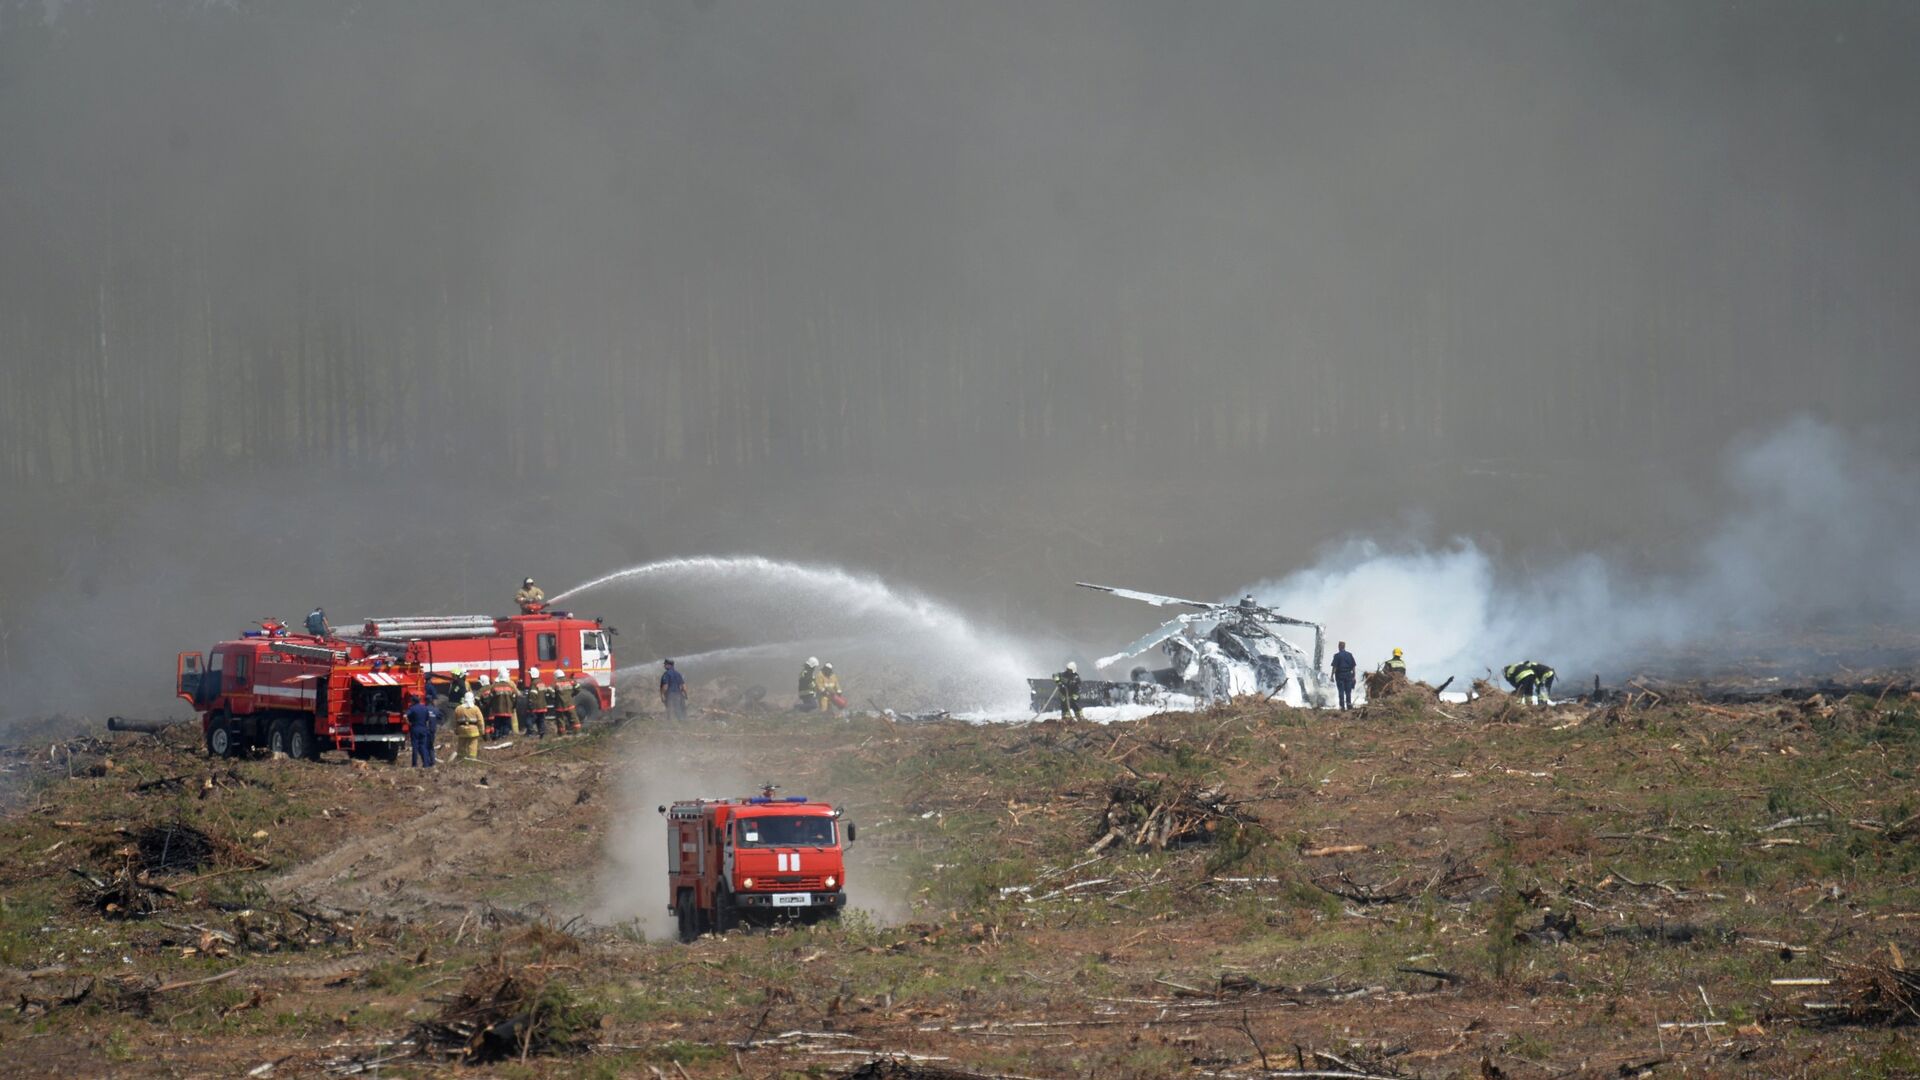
<point>297,694</point>
<point>497,646</point>
<point>754,861</point>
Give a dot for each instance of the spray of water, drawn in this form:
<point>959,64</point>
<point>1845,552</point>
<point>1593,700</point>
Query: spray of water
<point>727,655</point>
<point>827,604</point>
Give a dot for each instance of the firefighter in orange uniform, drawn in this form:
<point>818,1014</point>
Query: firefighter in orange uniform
<point>566,718</point>
<point>536,704</point>
<point>500,715</point>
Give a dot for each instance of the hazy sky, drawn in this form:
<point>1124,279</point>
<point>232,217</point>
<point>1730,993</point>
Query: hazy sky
<point>389,304</point>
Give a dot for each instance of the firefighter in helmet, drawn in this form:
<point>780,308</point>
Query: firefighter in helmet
<point>499,706</point>
<point>466,727</point>
<point>536,703</point>
<point>566,718</point>
<point>1396,664</point>
<point>1066,687</point>
<point>457,685</point>
<point>809,686</point>
<point>826,686</point>
<point>530,598</point>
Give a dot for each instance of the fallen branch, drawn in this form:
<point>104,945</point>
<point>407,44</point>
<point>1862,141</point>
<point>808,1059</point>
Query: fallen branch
<point>227,974</point>
<point>1436,973</point>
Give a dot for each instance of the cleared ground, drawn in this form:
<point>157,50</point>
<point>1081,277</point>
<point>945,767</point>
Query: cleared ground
<point>1413,889</point>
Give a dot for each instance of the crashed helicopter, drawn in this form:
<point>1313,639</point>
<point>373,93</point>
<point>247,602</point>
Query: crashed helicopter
<point>1217,652</point>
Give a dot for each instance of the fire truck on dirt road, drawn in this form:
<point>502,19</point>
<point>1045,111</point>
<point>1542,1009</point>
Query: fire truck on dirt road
<point>298,695</point>
<point>754,861</point>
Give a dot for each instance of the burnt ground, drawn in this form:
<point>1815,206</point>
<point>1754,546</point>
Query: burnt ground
<point>1411,890</point>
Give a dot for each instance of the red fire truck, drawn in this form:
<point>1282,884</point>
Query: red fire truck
<point>496,646</point>
<point>754,861</point>
<point>297,694</point>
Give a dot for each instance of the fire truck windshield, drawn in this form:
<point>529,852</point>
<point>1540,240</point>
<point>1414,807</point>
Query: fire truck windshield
<point>786,830</point>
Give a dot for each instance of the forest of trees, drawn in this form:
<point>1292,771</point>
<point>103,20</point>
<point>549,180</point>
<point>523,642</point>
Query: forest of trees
<point>567,239</point>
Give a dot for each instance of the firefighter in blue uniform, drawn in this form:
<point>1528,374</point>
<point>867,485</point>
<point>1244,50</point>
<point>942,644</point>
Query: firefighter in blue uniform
<point>423,723</point>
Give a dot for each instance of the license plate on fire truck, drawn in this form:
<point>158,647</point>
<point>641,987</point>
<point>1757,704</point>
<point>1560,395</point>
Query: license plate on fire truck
<point>792,899</point>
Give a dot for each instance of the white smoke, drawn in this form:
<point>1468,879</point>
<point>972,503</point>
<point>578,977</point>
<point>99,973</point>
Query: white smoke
<point>1818,532</point>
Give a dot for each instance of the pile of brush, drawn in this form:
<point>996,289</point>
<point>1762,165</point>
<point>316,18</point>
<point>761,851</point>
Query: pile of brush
<point>1883,995</point>
<point>125,894</point>
<point>507,1011</point>
<point>1159,814</point>
<point>895,1068</point>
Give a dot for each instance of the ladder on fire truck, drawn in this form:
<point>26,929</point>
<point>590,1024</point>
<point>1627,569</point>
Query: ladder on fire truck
<point>391,635</point>
<point>308,652</point>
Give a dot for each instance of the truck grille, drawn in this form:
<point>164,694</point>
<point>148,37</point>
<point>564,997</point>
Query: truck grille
<point>791,881</point>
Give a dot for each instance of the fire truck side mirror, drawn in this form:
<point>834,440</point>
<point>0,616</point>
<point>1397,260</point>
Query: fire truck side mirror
<point>851,833</point>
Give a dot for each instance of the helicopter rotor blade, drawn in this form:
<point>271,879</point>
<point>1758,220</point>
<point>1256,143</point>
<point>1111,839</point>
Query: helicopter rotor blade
<point>1146,597</point>
<point>1171,628</point>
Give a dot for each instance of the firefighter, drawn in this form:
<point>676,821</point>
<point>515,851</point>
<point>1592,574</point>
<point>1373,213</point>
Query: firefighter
<point>317,624</point>
<point>423,723</point>
<point>1343,669</point>
<point>1066,687</point>
<point>457,686</point>
<point>536,704</point>
<point>499,702</point>
<point>466,727</point>
<point>1396,664</point>
<point>826,686</point>
<point>530,598</point>
<point>809,686</point>
<point>566,718</point>
<point>1531,680</point>
<point>673,691</point>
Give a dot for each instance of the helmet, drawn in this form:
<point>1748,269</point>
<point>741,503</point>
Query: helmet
<point>533,673</point>
<point>813,661</point>
<point>1073,665</point>
<point>459,671</point>
<point>503,676</point>
<point>826,667</point>
<point>529,581</point>
<point>1396,651</point>
<point>466,699</point>
<point>668,662</point>
<point>486,680</point>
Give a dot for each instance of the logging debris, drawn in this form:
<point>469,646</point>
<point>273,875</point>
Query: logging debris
<point>1155,814</point>
<point>507,1011</point>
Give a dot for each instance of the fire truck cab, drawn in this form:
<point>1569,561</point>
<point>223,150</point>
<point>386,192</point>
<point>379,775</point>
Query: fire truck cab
<point>754,861</point>
<point>296,694</point>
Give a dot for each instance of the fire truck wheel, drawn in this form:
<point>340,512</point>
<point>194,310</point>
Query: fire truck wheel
<point>689,916</point>
<point>387,752</point>
<point>300,742</point>
<point>726,917</point>
<point>586,705</point>
<point>277,736</point>
<point>220,740</point>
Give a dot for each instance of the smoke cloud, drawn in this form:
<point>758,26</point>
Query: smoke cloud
<point>1818,534</point>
